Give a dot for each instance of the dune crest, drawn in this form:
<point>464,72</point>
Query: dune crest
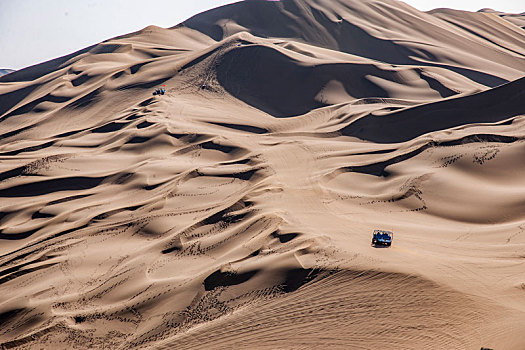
<point>236,209</point>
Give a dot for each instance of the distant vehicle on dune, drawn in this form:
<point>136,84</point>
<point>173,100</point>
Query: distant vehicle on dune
<point>159,91</point>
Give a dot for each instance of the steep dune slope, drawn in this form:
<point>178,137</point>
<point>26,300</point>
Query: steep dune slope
<point>385,31</point>
<point>5,71</point>
<point>235,211</point>
<point>514,18</point>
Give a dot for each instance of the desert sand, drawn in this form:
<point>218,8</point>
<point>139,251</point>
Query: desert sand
<point>5,71</point>
<point>236,210</point>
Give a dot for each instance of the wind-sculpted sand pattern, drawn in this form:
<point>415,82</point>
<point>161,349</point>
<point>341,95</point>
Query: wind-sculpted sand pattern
<point>236,210</point>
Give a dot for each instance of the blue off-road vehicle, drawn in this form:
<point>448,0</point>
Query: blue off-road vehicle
<point>382,238</point>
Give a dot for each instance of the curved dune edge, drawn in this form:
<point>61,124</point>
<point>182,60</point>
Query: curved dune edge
<point>236,210</point>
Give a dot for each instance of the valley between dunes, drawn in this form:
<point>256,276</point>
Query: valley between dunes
<point>236,210</point>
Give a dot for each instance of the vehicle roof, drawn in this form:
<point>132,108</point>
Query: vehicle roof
<point>384,231</point>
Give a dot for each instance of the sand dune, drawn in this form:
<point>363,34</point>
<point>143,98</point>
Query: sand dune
<point>236,210</point>
<point>515,18</point>
<point>5,71</point>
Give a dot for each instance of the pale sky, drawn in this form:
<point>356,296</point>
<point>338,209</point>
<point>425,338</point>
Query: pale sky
<point>34,31</point>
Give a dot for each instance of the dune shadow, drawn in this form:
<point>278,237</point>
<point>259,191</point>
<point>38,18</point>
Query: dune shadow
<point>242,127</point>
<point>494,105</point>
<point>109,127</point>
<point>277,84</point>
<point>40,188</point>
<point>225,279</point>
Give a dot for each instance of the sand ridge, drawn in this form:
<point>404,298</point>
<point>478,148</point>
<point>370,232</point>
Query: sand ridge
<point>236,210</point>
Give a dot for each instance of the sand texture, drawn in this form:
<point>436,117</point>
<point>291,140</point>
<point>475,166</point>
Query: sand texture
<point>236,210</point>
